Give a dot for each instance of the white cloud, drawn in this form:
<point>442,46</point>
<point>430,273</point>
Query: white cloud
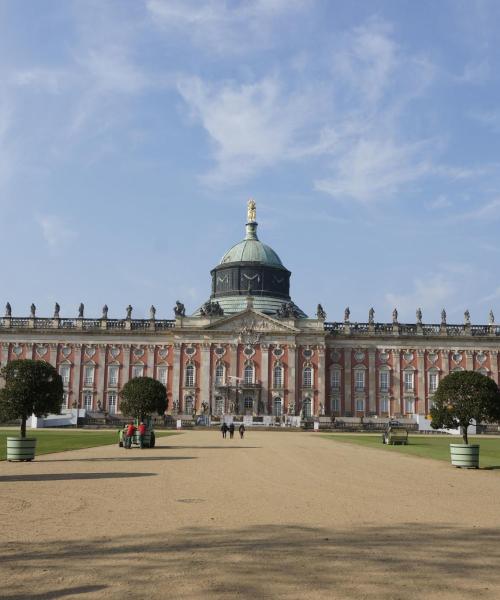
<point>488,118</point>
<point>439,203</point>
<point>56,231</point>
<point>475,73</point>
<point>490,210</point>
<point>429,294</point>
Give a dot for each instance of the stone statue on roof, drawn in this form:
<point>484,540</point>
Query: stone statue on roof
<point>251,211</point>
<point>152,313</point>
<point>371,316</point>
<point>443,317</point>
<point>57,308</point>
<point>81,308</point>
<point>105,311</point>
<point>467,317</point>
<point>347,314</point>
<point>320,313</point>
<point>492,318</point>
<point>8,310</point>
<point>419,316</point>
<point>129,311</point>
<point>395,315</point>
<point>33,311</point>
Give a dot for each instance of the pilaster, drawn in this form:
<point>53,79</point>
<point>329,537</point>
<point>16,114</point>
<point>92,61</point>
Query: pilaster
<point>321,381</point>
<point>264,377</point>
<point>469,360</point>
<point>292,379</point>
<point>396,381</point>
<point>101,375</point>
<point>372,382</point>
<point>494,365</point>
<point>176,371</point>
<point>150,365</point>
<point>205,395</point>
<point>421,382</point>
<point>348,408</point>
<point>77,371</point>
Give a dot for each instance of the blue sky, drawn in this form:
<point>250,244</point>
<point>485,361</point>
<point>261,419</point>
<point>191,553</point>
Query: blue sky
<point>133,132</point>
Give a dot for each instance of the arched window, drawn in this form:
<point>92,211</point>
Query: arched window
<point>138,370</point>
<point>278,376</point>
<point>307,377</point>
<point>306,407</point>
<point>433,380</point>
<point>248,375</point>
<point>359,380</point>
<point>384,379</point>
<point>88,375</point>
<point>189,376</point>
<point>277,407</point>
<point>335,379</point>
<point>219,374</point>
<point>188,405</point>
<point>64,372</point>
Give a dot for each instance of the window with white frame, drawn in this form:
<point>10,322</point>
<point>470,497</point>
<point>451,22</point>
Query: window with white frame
<point>384,380</point>
<point>161,374</point>
<point>307,407</point>
<point>384,405</point>
<point>277,407</point>
<point>188,405</point>
<point>113,371</point>
<point>112,403</point>
<point>88,375</point>
<point>433,381</point>
<point>248,374</point>
<point>335,404</point>
<point>359,380</point>
<point>64,372</point>
<point>189,376</point>
<point>278,376</point>
<point>137,370</point>
<point>408,381</point>
<point>219,405</point>
<point>335,379</point>
<point>248,404</point>
<point>360,404</point>
<point>65,400</point>
<point>307,377</point>
<point>219,374</point>
<point>410,405</point>
<point>87,401</point>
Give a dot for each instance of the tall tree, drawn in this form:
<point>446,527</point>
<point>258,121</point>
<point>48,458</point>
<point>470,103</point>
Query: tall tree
<point>143,396</point>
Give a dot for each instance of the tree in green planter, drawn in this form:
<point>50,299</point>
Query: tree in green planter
<point>31,387</point>
<point>143,396</point>
<point>462,397</point>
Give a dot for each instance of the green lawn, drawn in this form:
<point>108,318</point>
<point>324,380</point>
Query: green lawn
<point>69,439</point>
<point>427,446</point>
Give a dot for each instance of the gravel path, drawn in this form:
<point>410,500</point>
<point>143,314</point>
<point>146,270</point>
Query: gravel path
<point>277,515</point>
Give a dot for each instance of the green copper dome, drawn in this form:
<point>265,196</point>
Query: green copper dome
<point>251,249</point>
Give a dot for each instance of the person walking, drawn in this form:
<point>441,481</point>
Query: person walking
<point>242,431</point>
<point>231,430</point>
<point>142,432</point>
<point>129,434</point>
<point>224,429</point>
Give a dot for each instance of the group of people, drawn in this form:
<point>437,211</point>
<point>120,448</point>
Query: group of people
<point>224,429</point>
<point>129,432</point>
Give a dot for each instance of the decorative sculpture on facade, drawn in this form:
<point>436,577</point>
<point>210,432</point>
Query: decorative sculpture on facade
<point>251,211</point>
<point>204,408</point>
<point>491,318</point>
<point>179,310</point>
<point>57,308</point>
<point>371,316</point>
<point>80,310</point>
<point>8,310</point>
<point>152,313</point>
<point>347,314</point>
<point>395,315</point>
<point>129,312</point>
<point>443,317</point>
<point>288,310</point>
<point>33,311</point>
<point>291,407</point>
<point>467,317</point>
<point>320,313</point>
<point>419,316</point>
<point>211,309</point>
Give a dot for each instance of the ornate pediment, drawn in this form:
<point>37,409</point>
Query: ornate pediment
<point>251,325</point>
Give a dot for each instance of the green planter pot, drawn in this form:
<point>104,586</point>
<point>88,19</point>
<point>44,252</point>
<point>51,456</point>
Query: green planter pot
<point>21,448</point>
<point>465,455</point>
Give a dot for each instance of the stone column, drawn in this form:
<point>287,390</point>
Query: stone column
<point>469,360</point>
<point>321,380</point>
<point>125,374</point>
<point>372,382</point>
<point>205,395</point>
<point>77,370</point>
<point>53,355</point>
<point>292,378</point>
<point>347,381</point>
<point>445,363</point>
<point>233,373</point>
<point>494,365</point>
<point>101,375</point>
<point>150,366</point>
<point>264,376</point>
<point>176,372</point>
<point>396,381</point>
<point>421,382</point>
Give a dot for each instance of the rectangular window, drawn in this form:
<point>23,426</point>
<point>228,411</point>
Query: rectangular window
<point>137,371</point>
<point>113,375</point>
<point>409,405</point>
<point>384,405</point>
<point>335,404</point>
<point>87,401</point>
<point>64,371</point>
<point>88,378</point>
<point>248,403</point>
<point>359,380</point>
<point>433,382</point>
<point>384,381</point>
<point>161,374</point>
<point>65,400</point>
<point>360,404</point>
<point>278,377</point>
<point>408,381</point>
<point>112,403</point>
<point>307,377</point>
<point>335,380</point>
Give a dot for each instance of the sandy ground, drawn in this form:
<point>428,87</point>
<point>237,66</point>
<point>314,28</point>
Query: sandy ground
<point>277,515</point>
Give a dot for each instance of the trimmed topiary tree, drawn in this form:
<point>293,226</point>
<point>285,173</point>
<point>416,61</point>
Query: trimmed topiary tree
<point>462,397</point>
<point>143,396</point>
<point>31,387</point>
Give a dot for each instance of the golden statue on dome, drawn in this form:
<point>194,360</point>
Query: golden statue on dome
<point>251,211</point>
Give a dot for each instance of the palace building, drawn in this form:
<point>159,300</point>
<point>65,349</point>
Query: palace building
<point>250,350</point>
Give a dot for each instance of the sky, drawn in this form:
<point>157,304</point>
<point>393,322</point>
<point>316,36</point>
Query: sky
<point>132,133</point>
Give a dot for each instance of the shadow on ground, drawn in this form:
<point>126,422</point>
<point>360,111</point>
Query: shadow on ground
<point>413,561</point>
<point>117,459</point>
<point>70,476</point>
<point>210,447</point>
<point>74,591</point>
